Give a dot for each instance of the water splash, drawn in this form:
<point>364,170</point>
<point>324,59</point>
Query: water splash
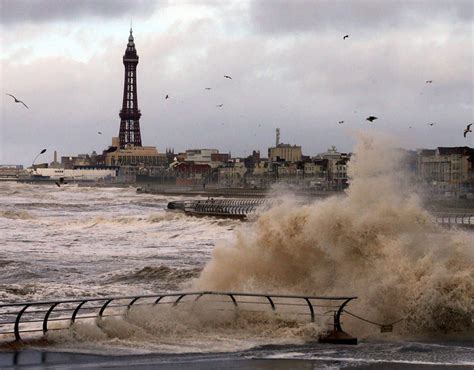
<point>377,242</point>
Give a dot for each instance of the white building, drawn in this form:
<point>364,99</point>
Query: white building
<point>89,174</point>
<point>200,156</point>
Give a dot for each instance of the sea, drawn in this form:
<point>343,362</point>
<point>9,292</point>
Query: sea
<point>73,242</point>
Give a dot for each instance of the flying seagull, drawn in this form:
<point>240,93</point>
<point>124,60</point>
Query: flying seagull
<point>429,81</point>
<point>431,124</point>
<point>371,118</point>
<point>99,133</point>
<point>226,76</point>
<point>341,122</point>
<point>208,88</point>
<point>468,129</point>
<point>167,96</point>
<point>219,105</point>
<point>345,37</point>
<point>17,101</point>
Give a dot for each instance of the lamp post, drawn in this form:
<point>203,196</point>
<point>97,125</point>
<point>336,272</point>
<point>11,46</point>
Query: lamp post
<point>34,160</point>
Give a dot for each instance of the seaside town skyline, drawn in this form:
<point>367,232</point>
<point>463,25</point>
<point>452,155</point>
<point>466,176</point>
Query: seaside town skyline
<point>80,94</point>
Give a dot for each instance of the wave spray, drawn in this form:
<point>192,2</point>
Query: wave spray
<point>376,242</point>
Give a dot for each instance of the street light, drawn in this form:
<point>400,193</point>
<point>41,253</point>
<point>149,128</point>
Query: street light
<point>34,160</point>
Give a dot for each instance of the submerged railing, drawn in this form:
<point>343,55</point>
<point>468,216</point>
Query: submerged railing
<point>462,219</point>
<point>22,320</point>
<point>219,207</point>
<point>241,208</point>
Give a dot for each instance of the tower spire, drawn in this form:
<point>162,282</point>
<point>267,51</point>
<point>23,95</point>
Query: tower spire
<point>130,114</point>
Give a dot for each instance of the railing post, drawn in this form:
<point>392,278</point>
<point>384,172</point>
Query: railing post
<point>104,306</point>
<point>311,309</point>
<point>76,311</point>
<point>158,300</point>
<point>16,328</point>
<point>271,302</point>
<point>132,303</point>
<point>46,317</point>
<point>179,298</point>
<point>234,301</point>
<point>337,335</point>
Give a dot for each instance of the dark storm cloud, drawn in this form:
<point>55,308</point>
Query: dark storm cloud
<point>278,16</point>
<point>37,11</point>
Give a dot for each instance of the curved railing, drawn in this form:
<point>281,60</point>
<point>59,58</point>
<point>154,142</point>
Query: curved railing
<point>21,320</point>
<point>453,219</point>
<point>219,207</point>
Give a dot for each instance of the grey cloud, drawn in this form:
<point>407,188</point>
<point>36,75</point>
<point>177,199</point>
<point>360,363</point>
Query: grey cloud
<point>38,11</point>
<point>280,16</point>
<point>304,85</point>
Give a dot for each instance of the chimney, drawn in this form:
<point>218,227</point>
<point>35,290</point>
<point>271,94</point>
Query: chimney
<point>277,136</point>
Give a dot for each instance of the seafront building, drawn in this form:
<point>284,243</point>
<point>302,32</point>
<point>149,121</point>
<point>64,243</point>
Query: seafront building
<point>447,170</point>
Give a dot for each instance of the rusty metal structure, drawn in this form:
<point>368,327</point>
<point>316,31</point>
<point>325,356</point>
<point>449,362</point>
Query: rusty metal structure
<point>23,321</point>
<point>130,114</point>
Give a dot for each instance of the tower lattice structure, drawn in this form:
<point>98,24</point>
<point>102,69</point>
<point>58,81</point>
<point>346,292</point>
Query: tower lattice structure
<point>130,114</point>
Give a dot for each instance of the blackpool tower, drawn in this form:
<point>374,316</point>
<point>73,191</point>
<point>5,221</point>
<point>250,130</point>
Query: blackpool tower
<point>129,134</point>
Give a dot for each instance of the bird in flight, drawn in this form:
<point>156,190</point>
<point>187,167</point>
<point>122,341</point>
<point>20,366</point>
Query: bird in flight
<point>99,133</point>
<point>431,124</point>
<point>167,96</point>
<point>345,37</point>
<point>371,118</point>
<point>468,129</point>
<point>226,76</point>
<point>208,88</point>
<point>341,122</point>
<point>17,101</point>
<point>429,81</point>
<point>219,105</point>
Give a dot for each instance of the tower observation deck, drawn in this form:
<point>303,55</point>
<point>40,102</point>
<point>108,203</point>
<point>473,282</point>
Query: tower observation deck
<point>129,134</point>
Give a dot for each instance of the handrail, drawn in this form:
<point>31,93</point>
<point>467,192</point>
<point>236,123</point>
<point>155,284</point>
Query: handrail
<point>69,311</point>
<point>453,219</point>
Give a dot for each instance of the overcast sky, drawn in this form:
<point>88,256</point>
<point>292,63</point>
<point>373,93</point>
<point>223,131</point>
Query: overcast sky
<point>289,64</point>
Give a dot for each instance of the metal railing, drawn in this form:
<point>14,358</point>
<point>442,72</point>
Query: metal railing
<point>453,219</point>
<point>243,207</point>
<point>20,319</point>
<point>220,207</point>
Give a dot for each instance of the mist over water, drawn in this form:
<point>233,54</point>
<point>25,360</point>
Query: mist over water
<point>377,242</point>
